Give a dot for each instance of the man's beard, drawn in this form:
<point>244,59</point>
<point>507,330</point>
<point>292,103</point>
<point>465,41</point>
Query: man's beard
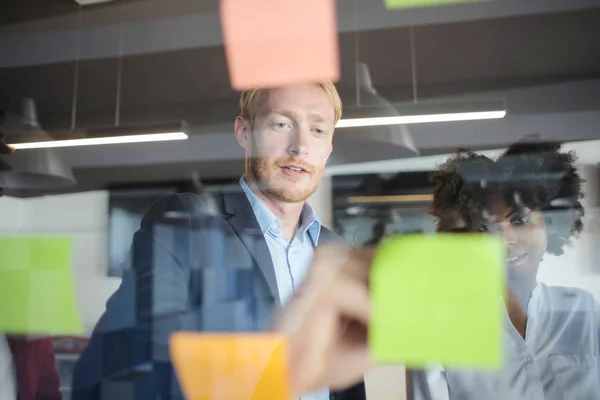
<point>263,173</point>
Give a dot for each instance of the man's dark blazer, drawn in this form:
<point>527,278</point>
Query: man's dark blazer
<point>197,263</point>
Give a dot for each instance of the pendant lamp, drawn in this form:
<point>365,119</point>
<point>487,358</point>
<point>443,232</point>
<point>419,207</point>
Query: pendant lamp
<point>4,149</point>
<point>40,169</point>
<point>371,143</point>
<point>372,104</point>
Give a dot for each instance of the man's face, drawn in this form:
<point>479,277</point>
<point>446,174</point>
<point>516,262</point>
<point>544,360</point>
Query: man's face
<point>289,142</point>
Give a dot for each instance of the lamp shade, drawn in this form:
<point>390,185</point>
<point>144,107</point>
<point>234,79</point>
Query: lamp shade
<point>35,170</point>
<point>4,149</point>
<point>30,117</point>
<point>371,143</point>
<point>4,166</point>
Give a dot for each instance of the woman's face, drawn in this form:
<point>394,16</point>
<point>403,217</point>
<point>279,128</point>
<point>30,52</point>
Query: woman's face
<point>523,231</point>
<point>524,234</point>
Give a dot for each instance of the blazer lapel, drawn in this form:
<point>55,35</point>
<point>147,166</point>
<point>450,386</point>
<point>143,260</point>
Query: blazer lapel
<point>327,237</point>
<point>243,221</point>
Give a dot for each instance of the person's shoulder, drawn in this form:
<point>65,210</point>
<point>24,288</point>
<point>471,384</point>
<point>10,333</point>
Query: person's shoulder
<point>571,297</point>
<point>183,207</point>
<point>328,236</point>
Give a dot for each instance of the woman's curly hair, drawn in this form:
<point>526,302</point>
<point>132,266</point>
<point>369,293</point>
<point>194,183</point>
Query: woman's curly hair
<point>536,174</point>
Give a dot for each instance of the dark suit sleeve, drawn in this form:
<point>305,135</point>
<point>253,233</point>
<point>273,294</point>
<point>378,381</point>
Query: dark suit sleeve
<point>127,356</point>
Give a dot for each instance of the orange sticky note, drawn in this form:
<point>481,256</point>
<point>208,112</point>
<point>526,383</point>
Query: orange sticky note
<point>270,43</point>
<point>230,366</point>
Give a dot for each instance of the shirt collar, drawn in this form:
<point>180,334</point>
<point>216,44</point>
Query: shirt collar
<point>536,297</point>
<point>269,222</point>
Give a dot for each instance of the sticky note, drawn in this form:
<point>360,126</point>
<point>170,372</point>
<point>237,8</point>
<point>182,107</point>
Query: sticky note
<point>270,43</point>
<point>230,366</point>
<point>437,299</point>
<point>423,3</point>
<point>37,294</point>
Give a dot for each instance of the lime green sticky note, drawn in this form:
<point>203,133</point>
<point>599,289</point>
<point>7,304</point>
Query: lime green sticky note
<point>36,252</point>
<point>437,299</point>
<point>423,3</point>
<point>37,293</point>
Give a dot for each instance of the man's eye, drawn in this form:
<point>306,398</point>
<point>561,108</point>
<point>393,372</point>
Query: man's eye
<point>319,131</point>
<point>280,125</point>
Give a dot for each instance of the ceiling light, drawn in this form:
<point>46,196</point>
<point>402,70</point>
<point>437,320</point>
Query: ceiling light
<point>381,113</point>
<point>421,113</point>
<point>405,198</point>
<point>116,134</point>
<point>90,2</point>
<point>112,135</point>
<point>420,119</point>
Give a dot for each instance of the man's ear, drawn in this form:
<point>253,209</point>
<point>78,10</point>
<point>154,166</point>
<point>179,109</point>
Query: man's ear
<point>242,130</point>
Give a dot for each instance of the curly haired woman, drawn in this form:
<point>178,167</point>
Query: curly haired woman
<point>531,197</point>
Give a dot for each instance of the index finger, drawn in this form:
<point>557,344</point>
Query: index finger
<point>332,260</point>
<point>358,265</point>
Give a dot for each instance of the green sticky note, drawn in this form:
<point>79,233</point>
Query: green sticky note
<point>423,3</point>
<point>37,293</point>
<point>437,300</point>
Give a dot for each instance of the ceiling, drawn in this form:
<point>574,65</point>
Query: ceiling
<point>19,11</point>
<point>193,84</point>
<point>501,52</point>
<point>42,12</point>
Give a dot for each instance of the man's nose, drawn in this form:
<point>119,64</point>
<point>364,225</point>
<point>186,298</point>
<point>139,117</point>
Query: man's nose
<point>299,141</point>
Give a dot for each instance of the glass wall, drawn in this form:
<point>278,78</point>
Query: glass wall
<point>145,193</point>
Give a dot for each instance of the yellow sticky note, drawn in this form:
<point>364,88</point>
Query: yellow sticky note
<point>230,366</point>
<point>270,43</point>
<point>437,299</point>
<point>37,294</point>
<point>423,3</point>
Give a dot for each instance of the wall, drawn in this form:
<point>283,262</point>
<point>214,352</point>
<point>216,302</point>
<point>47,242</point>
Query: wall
<point>579,266</point>
<point>11,215</point>
<point>83,217</point>
<point>322,202</point>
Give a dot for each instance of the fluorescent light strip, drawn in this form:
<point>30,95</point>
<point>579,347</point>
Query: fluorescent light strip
<point>407,198</point>
<point>151,137</point>
<point>420,119</point>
